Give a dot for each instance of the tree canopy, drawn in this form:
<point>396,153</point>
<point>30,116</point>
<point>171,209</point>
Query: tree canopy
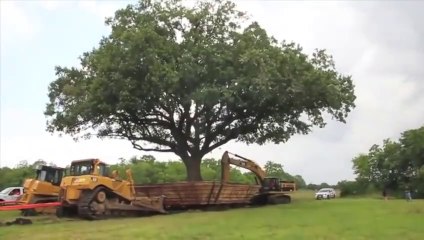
<point>172,78</point>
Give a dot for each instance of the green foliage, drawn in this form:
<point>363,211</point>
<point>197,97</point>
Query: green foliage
<point>396,165</point>
<point>171,78</point>
<point>356,188</point>
<point>315,187</point>
<point>276,170</point>
<point>14,177</point>
<point>147,170</point>
<point>11,177</point>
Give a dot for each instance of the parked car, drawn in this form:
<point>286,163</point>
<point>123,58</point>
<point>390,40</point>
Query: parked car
<point>325,193</point>
<point>11,194</point>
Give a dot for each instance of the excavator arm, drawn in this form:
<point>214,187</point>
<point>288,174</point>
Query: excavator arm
<point>243,162</point>
<point>270,192</point>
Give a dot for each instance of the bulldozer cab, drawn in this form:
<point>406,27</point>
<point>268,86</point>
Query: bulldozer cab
<point>88,167</point>
<point>50,174</point>
<point>271,184</point>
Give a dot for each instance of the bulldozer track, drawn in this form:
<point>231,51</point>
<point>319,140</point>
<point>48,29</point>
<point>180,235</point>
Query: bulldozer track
<point>84,209</point>
<point>123,209</point>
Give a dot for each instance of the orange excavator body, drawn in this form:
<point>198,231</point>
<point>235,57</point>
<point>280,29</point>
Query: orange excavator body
<point>273,190</point>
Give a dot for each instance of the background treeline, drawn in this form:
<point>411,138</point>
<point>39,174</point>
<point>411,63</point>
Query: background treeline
<point>394,166</point>
<point>147,169</point>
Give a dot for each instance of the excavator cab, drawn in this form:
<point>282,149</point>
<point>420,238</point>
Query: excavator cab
<point>271,184</point>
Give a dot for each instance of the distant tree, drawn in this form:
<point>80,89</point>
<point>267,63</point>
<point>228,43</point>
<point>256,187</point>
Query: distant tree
<point>52,164</point>
<point>133,160</point>
<point>12,177</point>
<point>170,78</point>
<point>324,185</point>
<point>123,161</point>
<point>274,169</point>
<point>312,186</point>
<point>300,182</point>
<point>22,164</point>
<point>39,162</point>
<point>394,165</point>
<point>361,167</point>
<point>148,158</point>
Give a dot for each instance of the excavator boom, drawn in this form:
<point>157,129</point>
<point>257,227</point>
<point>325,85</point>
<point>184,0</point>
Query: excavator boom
<point>242,162</point>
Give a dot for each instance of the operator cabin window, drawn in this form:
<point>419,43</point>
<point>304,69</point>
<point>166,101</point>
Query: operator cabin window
<point>77,170</point>
<point>56,178</point>
<point>42,175</point>
<point>101,169</point>
<point>49,177</point>
<point>85,170</point>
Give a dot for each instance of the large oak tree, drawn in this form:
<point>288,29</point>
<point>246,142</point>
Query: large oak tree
<point>172,78</point>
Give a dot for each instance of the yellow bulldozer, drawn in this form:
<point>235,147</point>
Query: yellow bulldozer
<point>273,189</point>
<point>44,188</point>
<point>90,192</point>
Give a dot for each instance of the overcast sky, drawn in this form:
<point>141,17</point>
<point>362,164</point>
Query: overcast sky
<point>378,43</point>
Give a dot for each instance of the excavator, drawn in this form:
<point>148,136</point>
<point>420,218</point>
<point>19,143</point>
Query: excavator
<point>89,192</point>
<point>273,190</point>
<point>44,188</point>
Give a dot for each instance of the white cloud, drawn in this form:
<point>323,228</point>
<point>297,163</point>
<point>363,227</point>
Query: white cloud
<point>58,150</point>
<point>103,9</point>
<point>16,22</point>
<point>54,5</point>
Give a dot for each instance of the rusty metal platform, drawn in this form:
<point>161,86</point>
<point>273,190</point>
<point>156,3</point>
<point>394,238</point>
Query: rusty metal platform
<point>202,193</point>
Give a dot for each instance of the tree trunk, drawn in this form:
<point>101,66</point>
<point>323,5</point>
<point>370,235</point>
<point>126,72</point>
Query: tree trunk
<point>193,169</point>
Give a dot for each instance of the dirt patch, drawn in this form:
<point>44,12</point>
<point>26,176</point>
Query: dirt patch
<point>17,221</point>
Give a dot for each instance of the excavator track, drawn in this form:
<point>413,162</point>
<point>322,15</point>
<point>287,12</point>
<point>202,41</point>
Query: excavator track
<point>279,199</point>
<point>271,198</point>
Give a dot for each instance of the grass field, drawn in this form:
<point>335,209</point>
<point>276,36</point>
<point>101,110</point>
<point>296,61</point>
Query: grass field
<point>305,218</point>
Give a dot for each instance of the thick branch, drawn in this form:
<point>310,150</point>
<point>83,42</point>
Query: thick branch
<point>196,127</point>
<point>218,130</point>
<point>184,115</point>
<point>232,134</point>
<point>138,147</point>
<point>128,132</point>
